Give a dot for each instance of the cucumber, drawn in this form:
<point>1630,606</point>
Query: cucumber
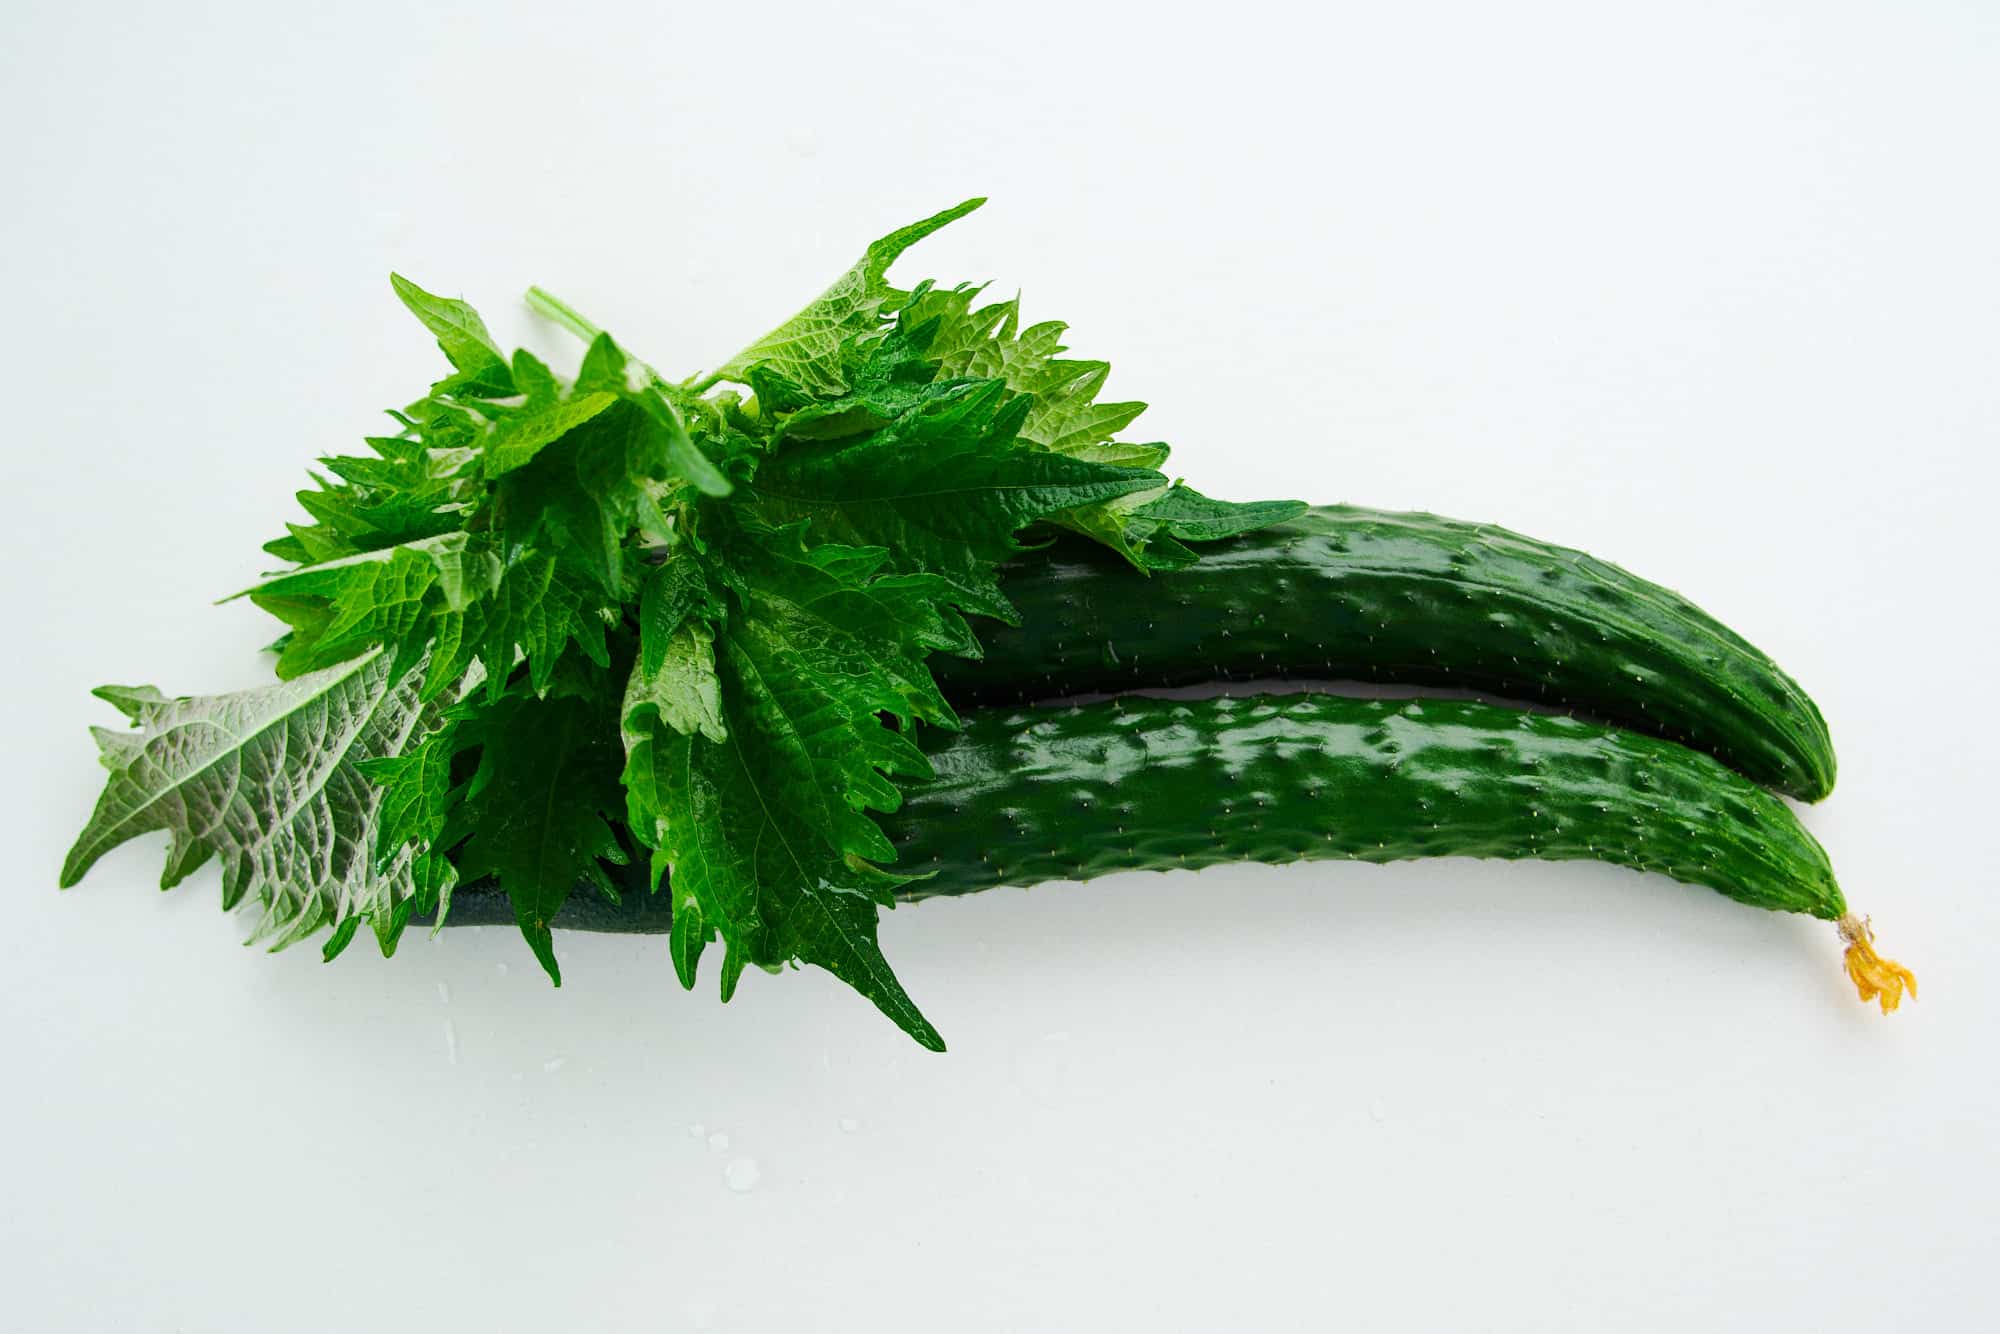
<point>1343,593</point>
<point>1023,796</point>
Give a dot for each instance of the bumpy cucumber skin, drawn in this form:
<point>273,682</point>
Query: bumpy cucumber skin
<point>1023,796</point>
<point>1344,593</point>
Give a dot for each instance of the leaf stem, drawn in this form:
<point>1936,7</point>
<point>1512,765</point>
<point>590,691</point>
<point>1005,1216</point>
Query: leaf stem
<point>550,306</point>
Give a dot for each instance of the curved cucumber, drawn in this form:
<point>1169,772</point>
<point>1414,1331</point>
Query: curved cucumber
<point>1343,593</point>
<point>1070,793</point>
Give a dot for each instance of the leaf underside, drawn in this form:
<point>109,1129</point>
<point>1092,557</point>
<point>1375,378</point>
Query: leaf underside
<point>269,782</point>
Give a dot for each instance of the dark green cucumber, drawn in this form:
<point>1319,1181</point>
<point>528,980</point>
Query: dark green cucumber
<point>1355,594</point>
<point>1022,796</point>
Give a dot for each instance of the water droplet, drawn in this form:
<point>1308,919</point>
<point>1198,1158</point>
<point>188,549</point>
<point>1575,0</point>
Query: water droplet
<point>553,1064</point>
<point>1377,1112</point>
<point>718,1142</point>
<point>742,1174</point>
<point>444,993</point>
<point>502,969</point>
<point>697,1131</point>
<point>849,1124</point>
<point>451,1041</point>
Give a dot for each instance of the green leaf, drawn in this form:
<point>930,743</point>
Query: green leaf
<point>537,807</point>
<point>416,806</point>
<point>534,381</point>
<point>943,489</point>
<point>350,606</point>
<point>537,610</point>
<point>766,828</point>
<point>677,456</point>
<point>673,685</point>
<point>886,377</point>
<point>342,937</point>
<point>584,494</point>
<point>132,701</point>
<point>468,569</point>
<point>806,348</point>
<point>579,497</point>
<point>603,369</point>
<point>988,343</point>
<point>684,690</point>
<point>688,937</point>
<point>1147,528</point>
<point>1192,517</point>
<point>393,596</point>
<point>671,593</point>
<point>270,782</point>
<point>516,439</point>
<point>776,888</point>
<point>1066,418</point>
<point>352,518</point>
<point>416,794</point>
<point>608,368</point>
<point>419,485</point>
<point>461,334</point>
<point>675,682</point>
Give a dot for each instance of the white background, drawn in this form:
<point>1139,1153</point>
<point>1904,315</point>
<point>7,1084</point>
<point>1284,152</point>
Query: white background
<point>1709,290</point>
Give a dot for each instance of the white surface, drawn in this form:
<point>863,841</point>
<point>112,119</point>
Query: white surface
<point>1708,290</point>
